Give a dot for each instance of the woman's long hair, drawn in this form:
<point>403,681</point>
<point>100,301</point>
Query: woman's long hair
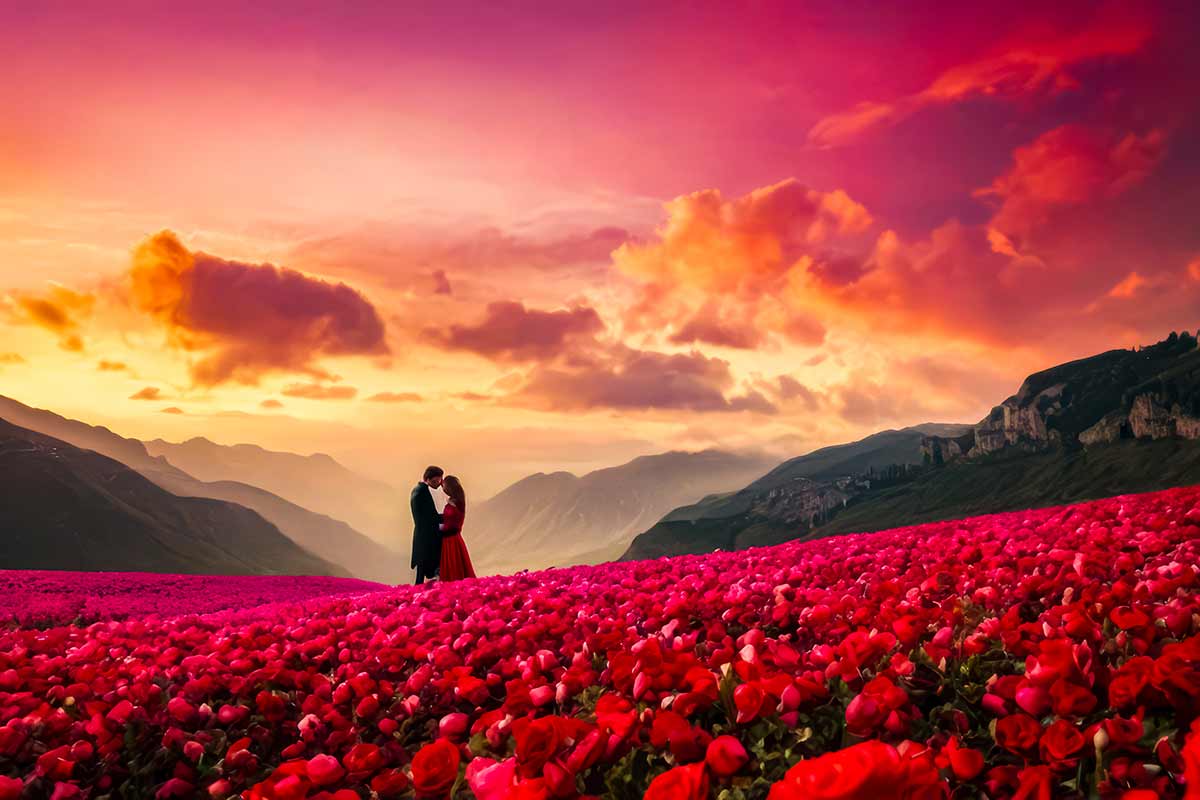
<point>452,486</point>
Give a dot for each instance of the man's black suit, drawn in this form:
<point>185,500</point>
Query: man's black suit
<point>427,538</point>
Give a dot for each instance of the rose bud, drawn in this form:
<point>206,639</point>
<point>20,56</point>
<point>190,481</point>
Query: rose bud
<point>726,756</point>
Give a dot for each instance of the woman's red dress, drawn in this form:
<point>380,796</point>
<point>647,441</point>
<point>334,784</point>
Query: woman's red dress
<point>456,561</point>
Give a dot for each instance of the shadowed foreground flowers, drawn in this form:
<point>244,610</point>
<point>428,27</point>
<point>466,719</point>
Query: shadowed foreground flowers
<point>1047,653</point>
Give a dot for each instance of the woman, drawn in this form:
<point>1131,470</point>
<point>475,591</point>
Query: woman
<point>456,561</point>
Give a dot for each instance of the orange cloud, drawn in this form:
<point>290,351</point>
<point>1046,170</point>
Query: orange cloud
<point>249,319</point>
<point>11,358</point>
<point>172,410</point>
<point>271,402</point>
<point>717,269</point>
<point>395,397</point>
<point>1193,269</point>
<point>1019,67</point>
<point>149,393</point>
<point>1066,166</point>
<point>316,391</point>
<point>60,310</point>
<point>111,366</point>
<point>1128,286</point>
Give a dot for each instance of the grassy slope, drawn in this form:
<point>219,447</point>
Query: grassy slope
<point>1008,482</point>
<point>1004,482</point>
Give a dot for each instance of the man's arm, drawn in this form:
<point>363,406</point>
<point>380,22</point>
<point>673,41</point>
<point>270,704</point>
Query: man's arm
<point>430,516</point>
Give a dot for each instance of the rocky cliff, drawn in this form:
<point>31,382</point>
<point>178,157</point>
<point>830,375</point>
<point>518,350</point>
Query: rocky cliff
<point>1147,393</point>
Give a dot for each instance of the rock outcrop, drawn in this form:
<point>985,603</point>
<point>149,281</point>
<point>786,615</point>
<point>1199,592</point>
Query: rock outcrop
<point>1147,393</point>
<point>1149,420</point>
<point>802,502</point>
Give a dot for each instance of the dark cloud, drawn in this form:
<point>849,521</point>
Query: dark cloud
<point>628,379</point>
<point>510,332</point>
<point>441,284</point>
<point>246,320</point>
<point>792,389</point>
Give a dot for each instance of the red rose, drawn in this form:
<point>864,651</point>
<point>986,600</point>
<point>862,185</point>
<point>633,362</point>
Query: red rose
<point>1127,618</point>
<point>325,770</point>
<point>588,751</point>
<point>1071,699</point>
<point>965,763</point>
<point>1191,762</point>
<point>726,756</point>
<point>10,788</point>
<point>1061,742</point>
<point>56,764</point>
<point>435,769</point>
<point>1018,732</point>
<point>1036,783</point>
<point>749,699</point>
<point>537,742</point>
<point>390,783</point>
<point>362,760</point>
<point>868,770</point>
<point>681,783</point>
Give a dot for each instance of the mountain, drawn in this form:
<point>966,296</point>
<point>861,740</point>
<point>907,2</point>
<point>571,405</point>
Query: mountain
<point>326,537</point>
<point>1012,480</point>
<point>560,518</point>
<point>788,499</point>
<point>1121,421</point>
<point>316,482</point>
<point>1147,393</point>
<point>80,510</point>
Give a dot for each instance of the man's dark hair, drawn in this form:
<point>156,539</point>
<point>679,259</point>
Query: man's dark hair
<point>433,472</point>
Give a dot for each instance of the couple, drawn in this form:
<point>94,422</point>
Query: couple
<point>439,551</point>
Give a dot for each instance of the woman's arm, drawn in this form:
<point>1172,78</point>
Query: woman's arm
<point>452,521</point>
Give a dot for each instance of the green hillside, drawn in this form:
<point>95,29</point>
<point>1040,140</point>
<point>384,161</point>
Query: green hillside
<point>1013,480</point>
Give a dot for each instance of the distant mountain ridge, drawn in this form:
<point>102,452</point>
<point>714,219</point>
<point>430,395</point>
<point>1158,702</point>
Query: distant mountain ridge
<point>560,518</point>
<point>80,510</point>
<point>794,496</point>
<point>316,482</point>
<point>331,539</point>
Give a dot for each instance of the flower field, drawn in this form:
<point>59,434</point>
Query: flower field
<point>44,598</point>
<point>1039,654</point>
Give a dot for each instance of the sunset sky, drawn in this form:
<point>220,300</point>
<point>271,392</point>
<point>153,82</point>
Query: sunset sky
<point>510,237</point>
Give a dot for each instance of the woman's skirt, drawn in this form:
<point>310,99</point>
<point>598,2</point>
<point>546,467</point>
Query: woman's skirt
<point>456,561</point>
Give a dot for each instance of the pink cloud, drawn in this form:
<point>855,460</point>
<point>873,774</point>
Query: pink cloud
<point>1021,66</point>
<point>1069,165</point>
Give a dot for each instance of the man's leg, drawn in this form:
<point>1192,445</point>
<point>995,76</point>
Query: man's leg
<point>420,574</point>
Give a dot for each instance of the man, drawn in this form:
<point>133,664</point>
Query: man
<point>427,537</point>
